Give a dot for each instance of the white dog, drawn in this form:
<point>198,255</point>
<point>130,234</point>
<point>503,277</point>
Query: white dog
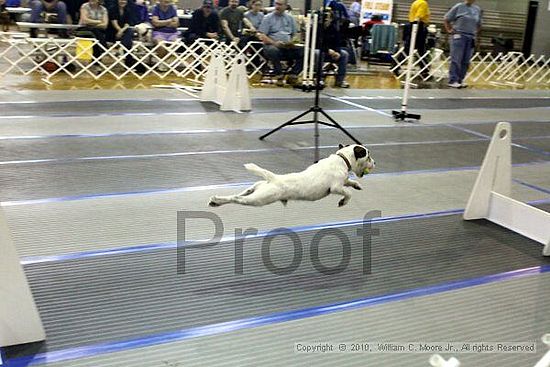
<point>328,176</point>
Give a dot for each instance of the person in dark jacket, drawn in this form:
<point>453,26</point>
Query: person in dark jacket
<point>205,23</point>
<point>331,44</point>
<point>121,20</point>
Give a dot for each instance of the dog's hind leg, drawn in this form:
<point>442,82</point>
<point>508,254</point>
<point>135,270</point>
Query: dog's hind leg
<point>251,189</point>
<point>221,200</point>
<point>263,195</point>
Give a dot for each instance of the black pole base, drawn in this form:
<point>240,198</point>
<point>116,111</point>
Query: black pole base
<point>294,121</point>
<point>403,115</point>
<point>309,88</point>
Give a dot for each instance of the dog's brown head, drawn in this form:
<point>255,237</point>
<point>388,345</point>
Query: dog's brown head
<point>359,157</point>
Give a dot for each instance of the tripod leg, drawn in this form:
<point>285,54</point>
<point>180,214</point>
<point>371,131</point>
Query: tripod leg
<point>338,126</point>
<point>290,122</point>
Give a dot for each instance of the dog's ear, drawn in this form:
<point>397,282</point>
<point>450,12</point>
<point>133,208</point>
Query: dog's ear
<point>340,146</point>
<point>359,152</point>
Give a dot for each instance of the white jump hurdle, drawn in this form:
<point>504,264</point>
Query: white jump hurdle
<point>19,319</point>
<point>545,360</point>
<point>231,94</point>
<point>437,361</point>
<point>490,198</point>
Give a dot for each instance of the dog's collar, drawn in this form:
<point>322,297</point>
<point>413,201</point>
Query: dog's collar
<point>345,160</point>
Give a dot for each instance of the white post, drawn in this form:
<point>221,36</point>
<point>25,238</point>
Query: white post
<point>545,361</point>
<point>490,198</point>
<point>495,173</point>
<point>437,361</point>
<point>305,72</point>
<point>19,319</point>
<point>412,49</point>
<point>313,46</point>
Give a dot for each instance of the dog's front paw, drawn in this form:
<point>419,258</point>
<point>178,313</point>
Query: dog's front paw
<point>353,184</point>
<point>212,202</point>
<point>342,202</point>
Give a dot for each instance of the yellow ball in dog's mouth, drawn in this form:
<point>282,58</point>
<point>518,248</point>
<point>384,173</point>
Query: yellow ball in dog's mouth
<point>366,171</point>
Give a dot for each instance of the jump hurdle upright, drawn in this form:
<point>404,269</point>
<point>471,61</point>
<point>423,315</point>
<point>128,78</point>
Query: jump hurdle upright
<point>490,198</point>
<point>437,361</point>
<point>231,94</point>
<point>19,319</point>
<point>545,360</point>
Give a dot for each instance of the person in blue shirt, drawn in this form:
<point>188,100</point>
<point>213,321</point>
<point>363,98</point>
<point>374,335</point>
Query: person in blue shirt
<point>463,23</point>
<point>276,32</point>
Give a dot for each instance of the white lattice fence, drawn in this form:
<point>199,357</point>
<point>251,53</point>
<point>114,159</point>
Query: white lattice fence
<point>74,58</point>
<point>510,69</point>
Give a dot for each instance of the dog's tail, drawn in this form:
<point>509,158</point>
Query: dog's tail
<point>259,171</point>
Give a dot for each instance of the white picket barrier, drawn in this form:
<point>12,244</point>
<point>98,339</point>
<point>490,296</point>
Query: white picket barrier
<point>53,56</point>
<point>512,69</point>
<point>490,197</point>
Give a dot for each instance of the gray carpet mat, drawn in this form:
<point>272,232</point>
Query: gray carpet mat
<point>114,107</point>
<point>46,180</point>
<point>29,149</point>
<point>122,296</point>
<point>455,104</point>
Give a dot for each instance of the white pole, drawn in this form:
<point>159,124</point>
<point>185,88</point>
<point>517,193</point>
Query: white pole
<point>305,73</point>
<point>313,45</point>
<point>545,361</point>
<point>19,319</point>
<point>409,68</point>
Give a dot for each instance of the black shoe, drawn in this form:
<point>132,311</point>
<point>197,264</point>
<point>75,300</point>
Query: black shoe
<point>342,84</point>
<point>34,33</point>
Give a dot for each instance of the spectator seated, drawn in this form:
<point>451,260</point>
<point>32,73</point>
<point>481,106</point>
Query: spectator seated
<point>165,22</point>
<point>367,37</point>
<point>4,16</point>
<point>276,32</point>
<point>42,10</point>
<point>205,23</point>
<point>234,22</point>
<point>332,49</point>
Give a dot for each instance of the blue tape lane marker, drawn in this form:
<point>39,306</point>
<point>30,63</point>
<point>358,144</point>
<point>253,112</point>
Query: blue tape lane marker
<point>196,131</point>
<point>471,132</point>
<point>95,115</point>
<point>366,108</point>
<point>102,100</point>
<point>236,151</point>
<point>225,327</point>
<point>522,146</point>
<point>259,129</point>
<point>226,186</point>
<point>30,260</point>
<point>531,186</point>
